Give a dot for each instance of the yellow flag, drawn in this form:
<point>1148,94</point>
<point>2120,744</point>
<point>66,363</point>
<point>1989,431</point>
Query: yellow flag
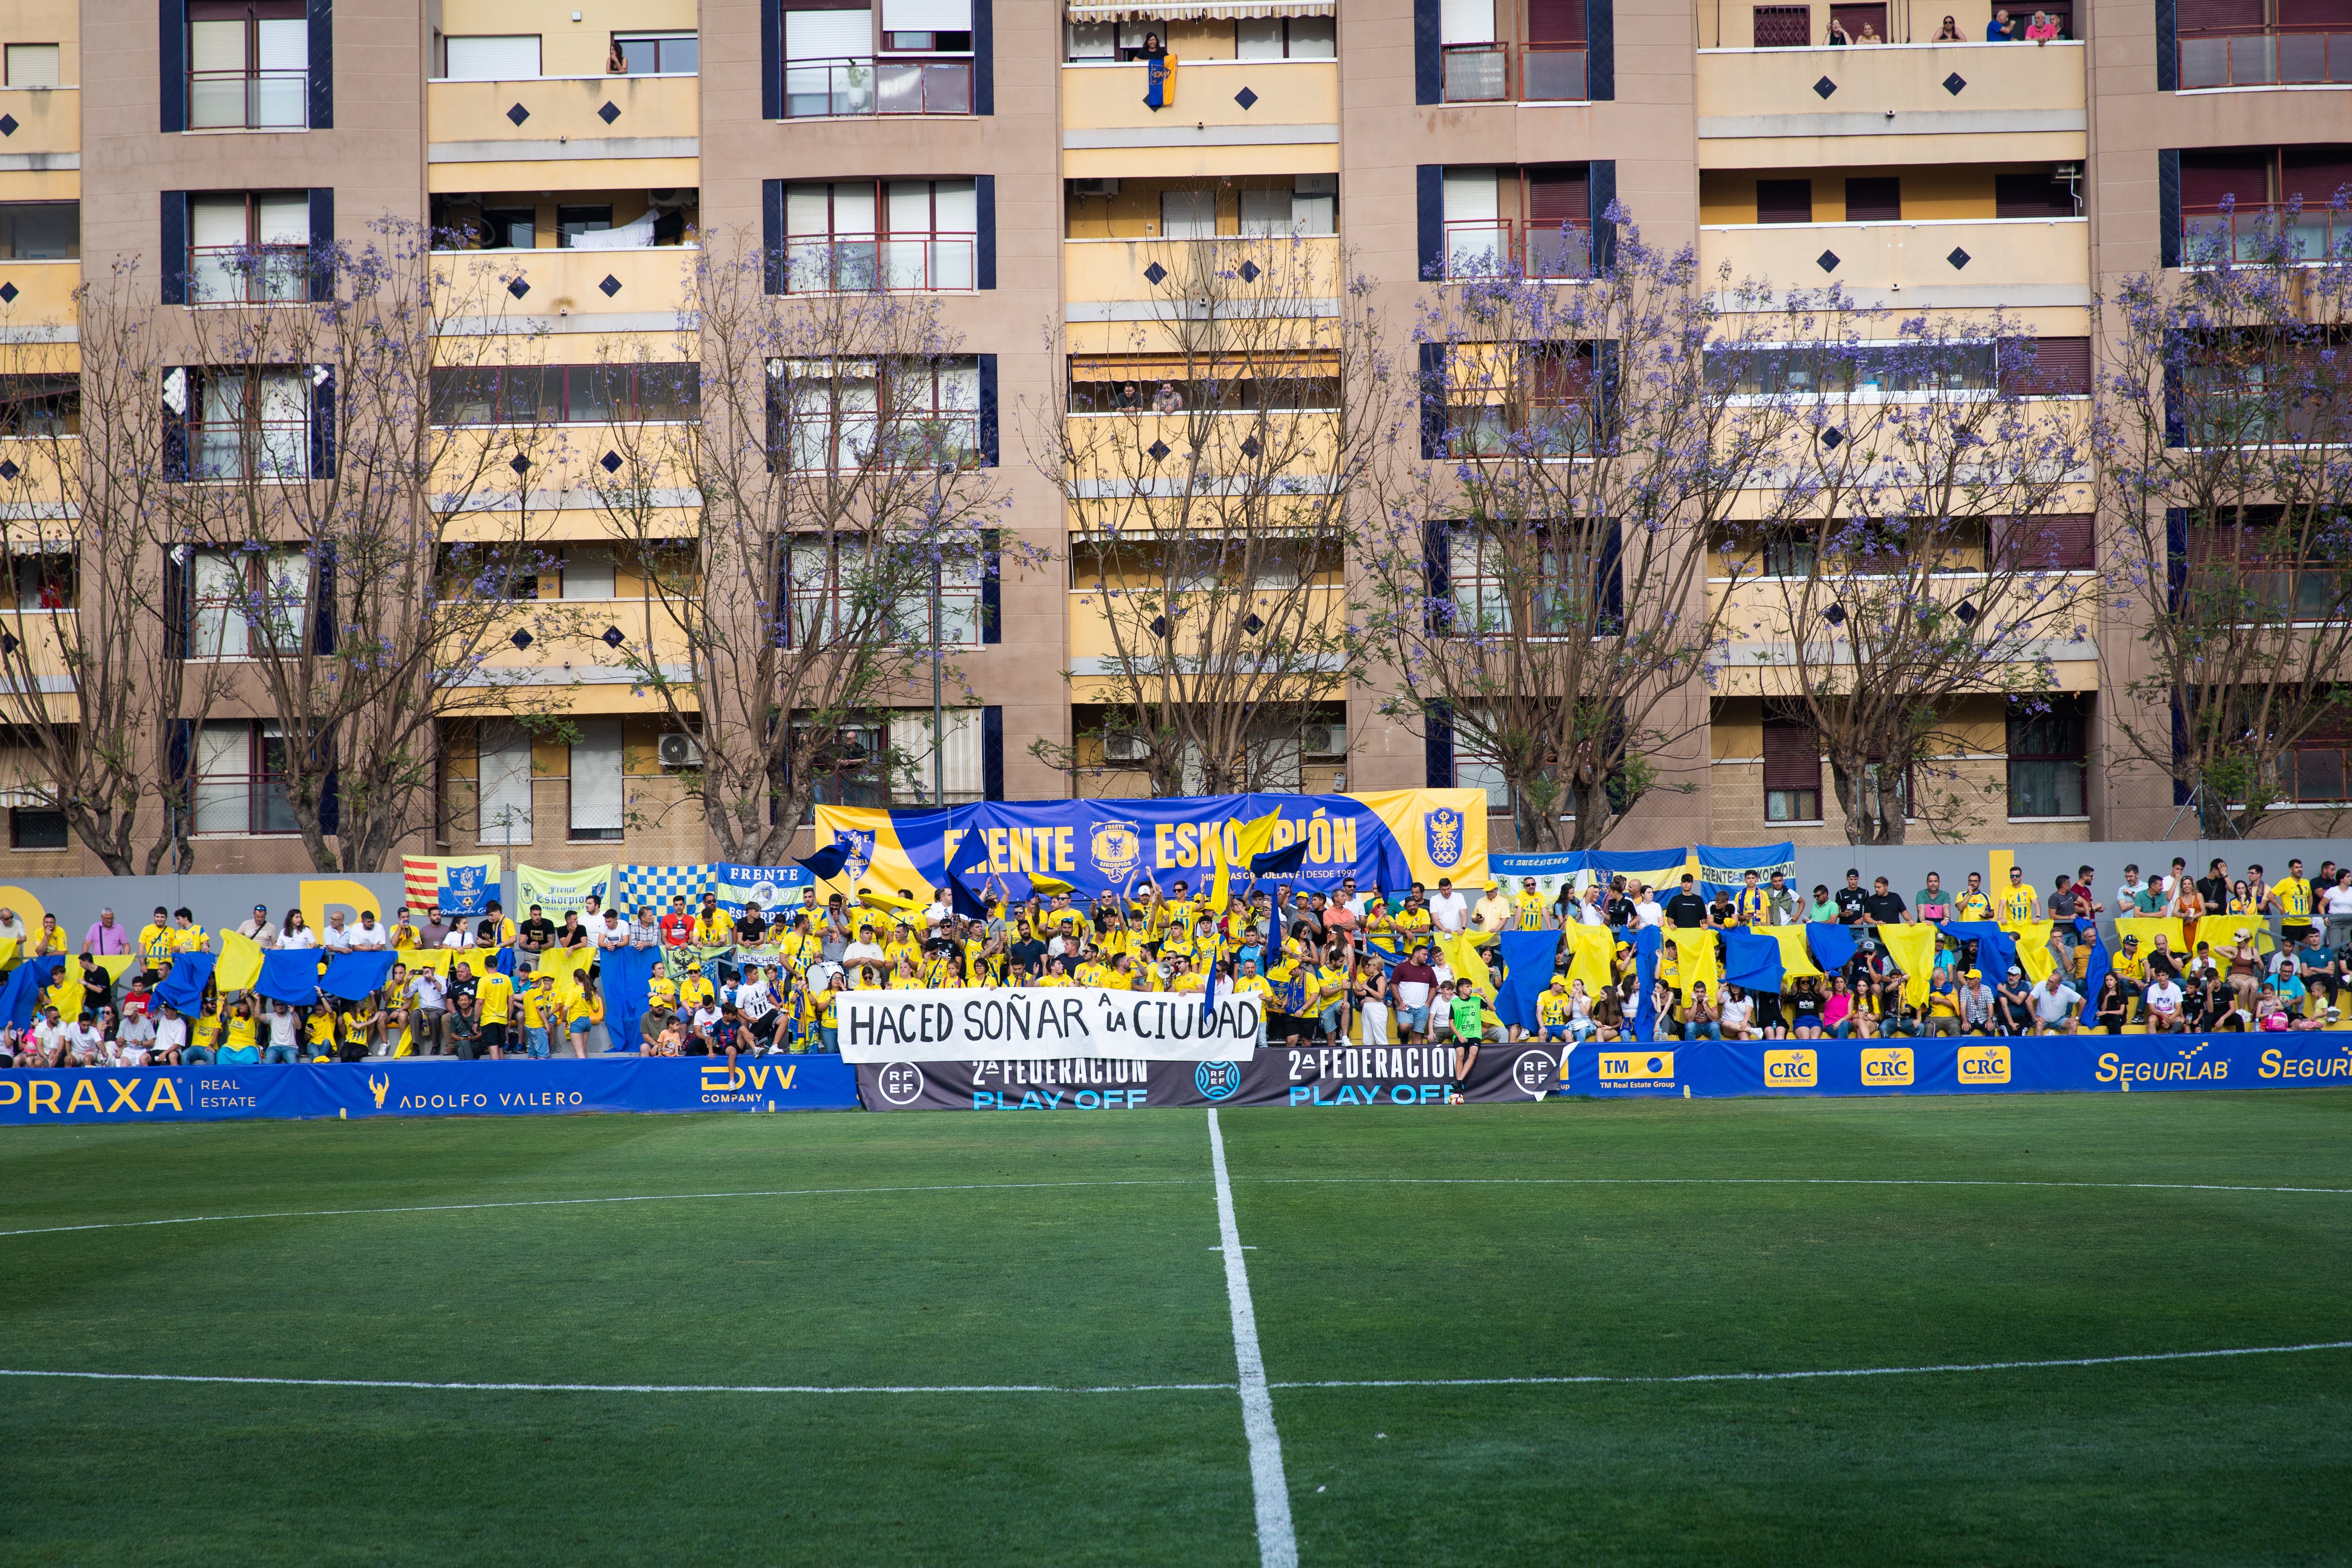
<point>2147,928</point>
<point>1050,884</point>
<point>1592,949</point>
<point>1912,948</point>
<point>240,963</point>
<point>1695,953</point>
<point>2033,954</point>
<point>1796,958</point>
<point>1462,956</point>
<point>564,965</point>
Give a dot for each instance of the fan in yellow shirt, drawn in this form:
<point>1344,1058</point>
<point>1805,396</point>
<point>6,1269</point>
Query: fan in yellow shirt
<point>321,1032</point>
<point>693,989</point>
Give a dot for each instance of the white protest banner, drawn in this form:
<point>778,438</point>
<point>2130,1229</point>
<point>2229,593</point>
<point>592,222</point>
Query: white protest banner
<point>1042,1023</point>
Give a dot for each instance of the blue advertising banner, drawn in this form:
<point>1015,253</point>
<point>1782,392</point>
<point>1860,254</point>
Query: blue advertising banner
<point>2050,1064</point>
<point>432,1088</point>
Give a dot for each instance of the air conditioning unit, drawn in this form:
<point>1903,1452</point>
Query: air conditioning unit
<point>1324,740</point>
<point>679,752</point>
<point>1094,188</point>
<point>1125,749</point>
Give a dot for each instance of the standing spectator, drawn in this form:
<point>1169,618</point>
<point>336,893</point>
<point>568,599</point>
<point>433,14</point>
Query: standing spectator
<point>1884,906</point>
<point>2001,29</point>
<point>1852,902</point>
<point>644,931</point>
<point>1467,1016</point>
<point>12,930</point>
<point>2214,886</point>
<point>2057,1006</point>
<point>431,996</point>
<point>1932,904</point>
<point>2290,900</point>
<point>1448,908</point>
<point>369,937</point>
<point>494,1000</point>
<point>1648,912</point>
<point>337,937</point>
<point>1951,33</point>
<point>1415,983</point>
<point>294,934</point>
<point>611,935</point>
<point>2335,904</point>
<point>260,930</point>
<point>2042,30</point>
<point>105,937</point>
<point>1687,910</point>
<point>2019,901</point>
<point>676,925</point>
<point>1822,911</point>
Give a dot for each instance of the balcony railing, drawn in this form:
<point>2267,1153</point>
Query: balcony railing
<point>824,89</point>
<point>1505,73</point>
<point>250,449</point>
<point>894,264</point>
<point>2278,57</point>
<point>238,274</point>
<point>249,99</point>
<point>1487,247</point>
<point>2255,233</point>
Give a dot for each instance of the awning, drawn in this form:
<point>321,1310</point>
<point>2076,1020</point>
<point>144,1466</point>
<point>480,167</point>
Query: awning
<point>1283,363</point>
<point>1204,10</point>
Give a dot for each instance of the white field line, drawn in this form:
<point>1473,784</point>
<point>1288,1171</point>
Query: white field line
<point>1278,1545</point>
<point>573,1203</point>
<point>1164,1387</point>
<point>1759,1182</point>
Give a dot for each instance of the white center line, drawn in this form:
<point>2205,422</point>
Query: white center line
<point>1277,1546</point>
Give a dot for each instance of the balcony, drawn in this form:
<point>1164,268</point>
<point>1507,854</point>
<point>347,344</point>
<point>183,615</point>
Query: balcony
<point>2277,56</point>
<point>242,99</point>
<point>564,290</point>
<point>48,127</point>
<point>896,263</point>
<point>1845,106</point>
<point>43,296</point>
<point>847,87</point>
<point>1117,272</point>
<point>638,124</point>
<point>2255,233</point>
<point>1488,248</point>
<point>1259,117</point>
<point>1933,264</point>
<point>1514,73</point>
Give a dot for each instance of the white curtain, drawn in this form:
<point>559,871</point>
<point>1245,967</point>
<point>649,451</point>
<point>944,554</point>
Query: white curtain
<point>597,790</point>
<point>588,573</point>
<point>910,738</point>
<point>926,15</point>
<point>505,761</point>
<point>512,58</point>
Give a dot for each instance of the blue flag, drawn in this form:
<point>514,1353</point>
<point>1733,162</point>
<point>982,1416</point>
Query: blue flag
<point>827,862</point>
<point>2095,974</point>
<point>1279,862</point>
<point>184,987</point>
<point>1527,959</point>
<point>1647,943</point>
<point>1831,944</point>
<point>289,977</point>
<point>20,999</point>
<point>1754,961</point>
<point>1996,949</point>
<point>353,977</point>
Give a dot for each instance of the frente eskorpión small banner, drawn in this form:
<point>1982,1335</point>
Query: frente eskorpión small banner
<point>1041,1023</point>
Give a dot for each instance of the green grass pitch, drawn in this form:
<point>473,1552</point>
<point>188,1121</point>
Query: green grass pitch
<point>1622,1240</point>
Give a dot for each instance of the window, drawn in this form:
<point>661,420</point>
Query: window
<point>1784,201</point>
<point>1877,198</point>
<point>831,66</point>
<point>1278,380</point>
<point>888,234</point>
<point>2045,368</point>
<point>35,65</point>
<point>2263,568</point>
<point>2318,770</point>
<point>46,582</point>
<point>1286,38</point>
<point>848,767</point>
<point>2251,389</point>
<point>2242,43</point>
<point>244,422</point>
<point>240,785</point>
<point>30,827</point>
<point>2048,755</point>
<point>40,231</point>
<point>1843,369</point>
<point>1539,401</point>
<point>1535,221</point>
<point>1784,26</point>
<point>657,54</point>
<point>503,756</point>
<point>40,406</point>
<point>838,586</point>
<point>1792,771</point>
<point>958,756</point>
<point>247,603</point>
<point>248,65</point>
<point>2236,199</point>
<point>2050,542</point>
<point>589,571</point>
<point>512,56</point>
<point>525,396</point>
<point>599,790</point>
<point>829,414</point>
<point>250,248</point>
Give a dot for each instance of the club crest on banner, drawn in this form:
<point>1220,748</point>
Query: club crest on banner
<point>1117,849</point>
<point>861,851</point>
<point>1442,830</point>
<point>464,890</point>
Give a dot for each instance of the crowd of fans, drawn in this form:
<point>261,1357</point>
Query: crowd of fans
<point>1353,964</point>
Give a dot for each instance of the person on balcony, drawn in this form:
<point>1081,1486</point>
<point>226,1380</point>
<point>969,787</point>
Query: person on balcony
<point>1837,34</point>
<point>1159,75</point>
<point>1952,33</point>
<point>2001,29</point>
<point>2042,30</point>
<point>1168,400</point>
<point>1869,34</point>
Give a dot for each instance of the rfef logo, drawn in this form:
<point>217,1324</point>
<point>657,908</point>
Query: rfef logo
<point>1636,1065</point>
<point>1984,1064</point>
<point>1217,1080</point>
<point>1888,1066</point>
<point>1536,1073</point>
<point>1792,1069</point>
<point>900,1083</point>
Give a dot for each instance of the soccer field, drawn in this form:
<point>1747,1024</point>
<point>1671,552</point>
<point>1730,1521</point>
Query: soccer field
<point>1494,1334</point>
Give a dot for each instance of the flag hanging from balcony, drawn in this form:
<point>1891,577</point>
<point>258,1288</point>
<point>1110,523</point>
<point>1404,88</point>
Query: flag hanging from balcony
<point>1159,81</point>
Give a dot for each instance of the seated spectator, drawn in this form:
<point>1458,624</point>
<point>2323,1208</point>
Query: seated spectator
<point>2057,1006</point>
<point>1943,1004</point>
<point>1701,1019</point>
<point>2012,1007</point>
<point>1837,1009</point>
<point>285,1040</point>
<point>2164,1000</point>
<point>2113,1009</point>
<point>1737,1013</point>
<point>1975,1002</point>
<point>1805,1011</point>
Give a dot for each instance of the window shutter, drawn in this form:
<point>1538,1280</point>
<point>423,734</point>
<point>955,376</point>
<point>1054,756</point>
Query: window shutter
<point>1559,194</point>
<point>1437,746</point>
<point>1428,53</point>
<point>322,245</point>
<point>2315,174</point>
<point>991,751</point>
<point>179,389</point>
<point>926,15</point>
<point>2207,178</point>
<point>1877,198</point>
<point>2195,15</point>
<point>1600,50</point>
<point>992,586</point>
<point>1601,180</point>
<point>1432,400</point>
<point>2168,45</point>
<point>2063,542</point>
<point>983,238</point>
<point>772,65</point>
<point>1555,21</point>
<point>771,231</point>
<point>320,16</point>
<point>2176,557</point>
<point>1784,201</point>
<point>983,58</point>
<point>323,615</point>
<point>2017,195</point>
<point>988,427</point>
<point>322,423</point>
<point>171,55</point>
<point>176,608</point>
<point>172,245</point>
<point>2167,207</point>
<point>1792,755</point>
<point>2045,368</point>
<point>503,56</point>
<point>1783,27</point>
<point>599,790</point>
<point>1429,202</point>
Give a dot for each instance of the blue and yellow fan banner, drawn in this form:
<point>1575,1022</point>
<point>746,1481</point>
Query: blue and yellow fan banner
<point>1387,839</point>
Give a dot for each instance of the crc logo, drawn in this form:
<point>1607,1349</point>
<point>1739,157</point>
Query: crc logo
<point>1984,1064</point>
<point>1888,1066</point>
<point>1792,1069</point>
<point>1217,1080</point>
<point>1536,1073</point>
<point>900,1083</point>
<point>1637,1065</point>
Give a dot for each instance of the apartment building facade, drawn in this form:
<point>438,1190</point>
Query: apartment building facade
<point>1020,165</point>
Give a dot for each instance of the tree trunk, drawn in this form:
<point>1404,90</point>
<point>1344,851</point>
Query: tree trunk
<point>1595,813</point>
<point>1872,813</point>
